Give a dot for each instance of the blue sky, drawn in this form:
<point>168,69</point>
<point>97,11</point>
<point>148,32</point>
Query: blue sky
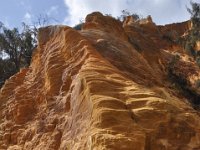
<point>70,12</point>
<point>14,12</point>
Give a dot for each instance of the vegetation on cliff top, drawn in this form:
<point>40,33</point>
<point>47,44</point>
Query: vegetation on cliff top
<point>16,46</point>
<point>16,49</point>
<point>193,36</point>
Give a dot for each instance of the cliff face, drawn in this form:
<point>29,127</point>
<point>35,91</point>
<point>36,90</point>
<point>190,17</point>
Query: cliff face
<point>104,87</point>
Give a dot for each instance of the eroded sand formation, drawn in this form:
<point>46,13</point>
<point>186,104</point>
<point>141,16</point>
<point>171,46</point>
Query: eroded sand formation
<point>104,87</point>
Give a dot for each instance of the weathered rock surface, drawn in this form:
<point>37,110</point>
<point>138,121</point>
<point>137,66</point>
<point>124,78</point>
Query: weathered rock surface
<point>197,46</point>
<point>104,87</point>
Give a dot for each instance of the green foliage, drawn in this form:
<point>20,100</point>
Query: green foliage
<point>126,13</point>
<point>7,69</point>
<point>78,26</point>
<point>195,14</point>
<point>15,50</point>
<point>193,35</point>
<point>181,85</point>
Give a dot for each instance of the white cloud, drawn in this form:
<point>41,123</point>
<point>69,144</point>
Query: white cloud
<point>6,23</point>
<point>27,18</point>
<point>52,10</point>
<point>162,11</point>
<point>78,9</point>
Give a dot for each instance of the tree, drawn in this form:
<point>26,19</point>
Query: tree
<point>15,50</point>
<point>79,25</point>
<point>126,13</point>
<point>195,14</point>
<point>10,44</point>
<point>17,46</point>
<point>193,34</point>
<point>28,43</point>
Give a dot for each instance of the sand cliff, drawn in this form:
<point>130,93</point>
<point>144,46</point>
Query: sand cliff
<point>104,87</point>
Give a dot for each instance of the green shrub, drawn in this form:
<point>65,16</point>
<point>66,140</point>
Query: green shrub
<point>194,34</point>
<point>78,26</point>
<point>195,14</point>
<point>126,13</point>
<point>17,46</point>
